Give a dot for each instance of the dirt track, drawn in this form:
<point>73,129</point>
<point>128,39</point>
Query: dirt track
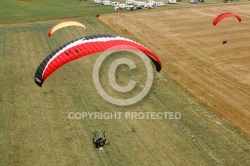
<point>191,51</point>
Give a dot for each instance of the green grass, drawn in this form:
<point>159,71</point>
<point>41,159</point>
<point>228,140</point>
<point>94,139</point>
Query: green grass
<point>17,10</point>
<point>34,124</point>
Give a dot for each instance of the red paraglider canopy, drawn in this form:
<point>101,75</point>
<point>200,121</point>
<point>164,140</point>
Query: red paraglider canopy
<point>221,16</point>
<point>87,46</point>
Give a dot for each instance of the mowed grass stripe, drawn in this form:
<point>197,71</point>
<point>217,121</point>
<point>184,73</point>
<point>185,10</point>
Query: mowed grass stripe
<point>34,45</point>
<point>120,149</point>
<point>57,140</point>
<point>173,126</point>
<point>154,144</point>
<point>166,126</point>
<point>42,132</point>
<point>21,111</point>
<point>9,108</point>
<point>4,118</point>
<point>26,55</point>
<point>13,100</point>
<point>32,107</point>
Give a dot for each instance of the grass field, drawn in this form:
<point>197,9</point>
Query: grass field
<point>32,10</point>
<point>35,128</point>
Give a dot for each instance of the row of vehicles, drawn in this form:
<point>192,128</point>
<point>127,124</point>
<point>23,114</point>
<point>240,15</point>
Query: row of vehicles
<point>130,4</point>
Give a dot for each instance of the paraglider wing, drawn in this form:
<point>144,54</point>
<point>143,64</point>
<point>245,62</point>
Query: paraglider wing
<point>84,47</point>
<point>64,24</point>
<point>221,16</point>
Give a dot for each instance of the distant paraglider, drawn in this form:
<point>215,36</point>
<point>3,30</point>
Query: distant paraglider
<point>221,16</point>
<point>63,24</point>
<point>87,46</point>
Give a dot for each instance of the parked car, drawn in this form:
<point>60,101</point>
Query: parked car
<point>137,7</point>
